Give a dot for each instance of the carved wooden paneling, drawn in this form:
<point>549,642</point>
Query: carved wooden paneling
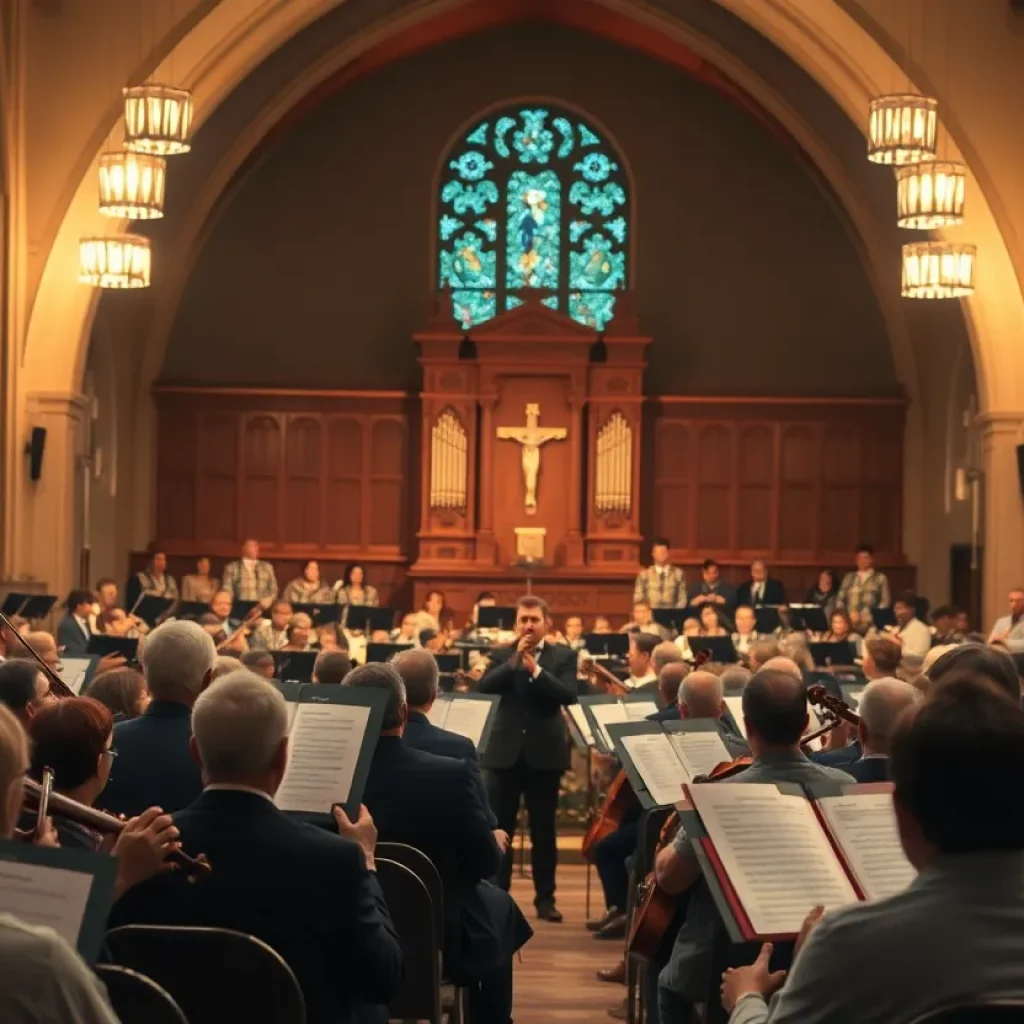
<point>386,509</point>
<point>217,486</point>
<point>261,472</point>
<point>176,484</point>
<point>799,480</point>
<point>716,477</point>
<point>673,484</point>
<point>344,480</point>
<point>303,481</point>
<point>756,485</point>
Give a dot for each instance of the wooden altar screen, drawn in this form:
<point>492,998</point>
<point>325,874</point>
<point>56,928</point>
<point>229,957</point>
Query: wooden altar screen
<point>585,396</point>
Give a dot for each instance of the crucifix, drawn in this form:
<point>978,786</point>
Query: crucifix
<point>531,437</point>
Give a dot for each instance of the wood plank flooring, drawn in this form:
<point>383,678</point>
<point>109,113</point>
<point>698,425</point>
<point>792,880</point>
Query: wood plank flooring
<point>555,981</point>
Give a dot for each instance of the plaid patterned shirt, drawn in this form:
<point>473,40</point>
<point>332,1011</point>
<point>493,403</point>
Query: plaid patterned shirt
<point>859,595</point>
<point>259,584</point>
<point>664,588</point>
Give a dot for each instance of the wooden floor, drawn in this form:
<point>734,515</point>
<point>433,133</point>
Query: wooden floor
<point>555,981</point>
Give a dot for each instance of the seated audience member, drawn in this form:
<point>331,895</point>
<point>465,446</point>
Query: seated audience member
<point>433,803</point>
<point>914,635</point>
<point>200,585</point>
<point>308,588</point>
<point>260,663</point>
<point>956,934</point>
<point>272,634</point>
<point>880,705</point>
<point>42,980</point>
<point>996,665</point>
<point>746,634</point>
<point>123,691</point>
<point>642,621</point>
<point>23,688</point>
<point>331,667</point>
<point>154,766</point>
<point>74,631</point>
<point>1010,628</point>
<point>760,589</point>
<point>641,673</point>
<point>763,652</point>
<point>944,625</point>
<point>882,656</point>
<point>309,894</point>
<point>775,713</point>
<point>841,631</point>
<point>670,678</point>
<point>224,665</point>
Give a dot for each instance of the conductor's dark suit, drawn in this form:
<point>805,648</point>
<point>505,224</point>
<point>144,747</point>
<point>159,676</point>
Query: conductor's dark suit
<point>771,592</point>
<point>528,752</point>
<point>301,889</point>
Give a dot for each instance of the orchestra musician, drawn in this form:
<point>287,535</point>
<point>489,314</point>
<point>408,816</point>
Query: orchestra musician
<point>661,584</point>
<point>761,589</point>
<point>153,581</point>
<point>250,579</point>
<point>527,752</point>
<point>272,634</point>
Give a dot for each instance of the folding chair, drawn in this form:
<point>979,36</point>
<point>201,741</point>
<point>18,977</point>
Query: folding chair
<point>214,974</point>
<point>137,999</point>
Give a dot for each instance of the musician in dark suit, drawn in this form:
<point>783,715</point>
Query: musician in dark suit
<point>310,894</point>
<point>74,631</point>
<point>154,766</point>
<point>881,704</point>
<point>528,748</point>
<point>760,589</point>
<point>433,803</point>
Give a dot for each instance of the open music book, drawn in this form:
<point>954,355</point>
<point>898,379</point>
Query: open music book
<point>70,891</point>
<point>602,710</point>
<point>332,733</point>
<point>580,731</point>
<point>661,757</point>
<point>77,672</point>
<point>770,853</point>
<point>465,714</point>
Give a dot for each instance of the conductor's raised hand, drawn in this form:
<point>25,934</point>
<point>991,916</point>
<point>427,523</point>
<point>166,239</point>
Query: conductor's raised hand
<point>362,830</point>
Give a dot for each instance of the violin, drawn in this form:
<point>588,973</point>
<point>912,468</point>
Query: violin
<point>604,680</point>
<point>243,630</point>
<point>655,908</point>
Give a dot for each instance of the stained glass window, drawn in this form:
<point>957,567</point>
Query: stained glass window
<point>533,199</point>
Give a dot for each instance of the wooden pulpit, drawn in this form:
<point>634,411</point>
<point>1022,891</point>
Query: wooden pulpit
<point>531,423</point>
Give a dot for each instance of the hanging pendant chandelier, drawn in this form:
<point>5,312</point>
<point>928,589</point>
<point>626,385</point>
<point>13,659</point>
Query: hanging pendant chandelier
<point>132,185</point>
<point>930,195</point>
<point>157,119</point>
<point>114,261</point>
<point>902,128</point>
<point>938,270</point>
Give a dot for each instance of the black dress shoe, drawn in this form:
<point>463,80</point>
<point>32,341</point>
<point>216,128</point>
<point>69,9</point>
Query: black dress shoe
<point>549,912</point>
<point>613,929</point>
<point>597,925</point>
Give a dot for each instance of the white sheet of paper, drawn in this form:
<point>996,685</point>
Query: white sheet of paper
<point>323,750</point>
<point>735,706</point>
<point>865,828</point>
<point>699,751</point>
<point>51,897</point>
<point>582,723</point>
<point>468,718</point>
<point>639,710</point>
<point>605,715</point>
<point>656,761</point>
<point>775,853</point>
<point>438,713</point>
<point>73,673</point>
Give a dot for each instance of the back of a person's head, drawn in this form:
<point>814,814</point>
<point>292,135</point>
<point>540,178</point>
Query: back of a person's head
<point>418,669</point>
<point>670,678</point>
<point>763,652</point>
<point>331,667</point>
<point>238,724</point>
<point>885,652</point>
<point>176,659</point>
<point>225,664</point>
<point>645,643</point>
<point>17,684</point>
<point>382,676</point>
<point>979,659</point>
<point>665,653</point>
<point>933,656</point>
<point>880,705</point>
<point>955,764</point>
<point>783,664</point>
<point>701,694</point>
<point>119,690</point>
<point>69,737</point>
<point>735,678</point>
<point>775,706</point>
<point>13,762</point>
<point>794,647</point>
<point>258,661</point>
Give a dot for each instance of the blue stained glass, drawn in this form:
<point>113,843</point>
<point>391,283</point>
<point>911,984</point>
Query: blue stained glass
<point>489,227</point>
<point>472,308</point>
<point>478,136</point>
<point>618,229</point>
<point>597,268</point>
<point>500,131</point>
<point>511,301</point>
<point>466,264</point>
<point>472,165</point>
<point>603,199</point>
<point>533,206</point>
<point>470,197</point>
<point>593,309</point>
<point>564,128</point>
<point>552,302</point>
<point>587,137</point>
<point>595,167</point>
<point>448,227</point>
<point>533,141</point>
<point>577,228</point>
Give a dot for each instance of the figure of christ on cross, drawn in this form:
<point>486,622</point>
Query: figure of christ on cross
<point>531,437</point>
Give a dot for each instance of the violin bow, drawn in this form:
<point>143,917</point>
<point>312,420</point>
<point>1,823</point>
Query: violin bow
<point>57,685</point>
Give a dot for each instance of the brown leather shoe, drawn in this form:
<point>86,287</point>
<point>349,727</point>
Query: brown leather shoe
<point>614,975</point>
<point>598,923</point>
<point>613,929</point>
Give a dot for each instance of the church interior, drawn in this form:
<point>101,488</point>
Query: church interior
<point>489,298</point>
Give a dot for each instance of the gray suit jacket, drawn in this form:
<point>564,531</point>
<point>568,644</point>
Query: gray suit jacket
<point>956,935</point>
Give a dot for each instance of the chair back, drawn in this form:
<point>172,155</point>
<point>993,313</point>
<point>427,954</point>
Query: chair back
<point>137,999</point>
<point>214,974</point>
<point>1002,1012</point>
<point>423,868</point>
<point>412,912</point>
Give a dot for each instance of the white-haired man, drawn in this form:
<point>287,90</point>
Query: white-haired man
<point>881,704</point>
<point>311,895</point>
<point>702,695</point>
<point>154,767</point>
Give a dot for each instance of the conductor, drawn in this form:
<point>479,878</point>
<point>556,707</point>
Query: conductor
<point>528,748</point>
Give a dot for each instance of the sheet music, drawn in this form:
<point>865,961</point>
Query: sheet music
<point>655,759</point>
<point>52,897</point>
<point>775,853</point>
<point>582,723</point>
<point>468,718</point>
<point>735,706</point>
<point>699,751</point>
<point>864,826</point>
<point>438,713</point>
<point>605,715</point>
<point>323,750</point>
<point>73,672</point>
<point>639,710</point>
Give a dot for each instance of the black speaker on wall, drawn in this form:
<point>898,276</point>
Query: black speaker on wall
<point>1020,467</point>
<point>34,450</point>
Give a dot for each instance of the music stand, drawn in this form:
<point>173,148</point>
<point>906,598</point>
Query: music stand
<point>672,618</point>
<point>294,666</point>
<point>368,618</point>
<point>385,652</point>
<point>721,648</point>
<point>606,645</point>
<point>320,614</point>
<point>500,617</point>
<point>809,617</point>
<point>840,652</point>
